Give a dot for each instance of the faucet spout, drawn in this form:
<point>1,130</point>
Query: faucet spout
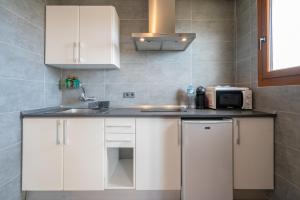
<point>83,97</point>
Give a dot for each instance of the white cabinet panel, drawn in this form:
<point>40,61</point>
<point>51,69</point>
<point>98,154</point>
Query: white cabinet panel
<point>42,155</point>
<point>120,125</point>
<point>62,35</point>
<point>95,34</point>
<point>82,37</point>
<point>63,154</point>
<point>158,154</point>
<point>254,153</point>
<point>83,154</point>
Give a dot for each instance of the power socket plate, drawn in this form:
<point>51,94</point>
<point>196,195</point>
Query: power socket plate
<point>129,95</point>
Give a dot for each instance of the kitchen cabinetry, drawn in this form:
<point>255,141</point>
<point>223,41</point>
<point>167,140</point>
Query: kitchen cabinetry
<point>82,37</point>
<point>62,35</point>
<point>158,154</point>
<point>138,153</point>
<point>63,154</point>
<point>42,155</point>
<point>253,153</point>
<point>120,153</point>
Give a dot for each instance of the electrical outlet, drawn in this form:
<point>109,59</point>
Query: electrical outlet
<point>128,95</point>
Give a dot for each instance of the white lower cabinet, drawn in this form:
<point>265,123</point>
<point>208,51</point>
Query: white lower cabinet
<point>83,154</point>
<point>158,154</point>
<point>42,167</point>
<point>63,154</point>
<point>135,153</point>
<point>120,153</point>
<point>253,153</point>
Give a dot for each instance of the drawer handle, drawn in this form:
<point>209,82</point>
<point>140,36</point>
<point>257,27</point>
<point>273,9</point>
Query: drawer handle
<point>125,126</point>
<point>125,140</point>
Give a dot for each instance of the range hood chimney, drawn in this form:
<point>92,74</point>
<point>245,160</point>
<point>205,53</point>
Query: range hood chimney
<point>162,36</point>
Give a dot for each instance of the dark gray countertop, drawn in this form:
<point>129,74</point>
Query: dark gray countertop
<point>134,112</point>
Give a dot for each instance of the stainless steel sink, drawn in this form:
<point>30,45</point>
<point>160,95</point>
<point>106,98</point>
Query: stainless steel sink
<point>81,111</point>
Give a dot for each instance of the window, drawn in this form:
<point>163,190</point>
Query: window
<point>279,42</point>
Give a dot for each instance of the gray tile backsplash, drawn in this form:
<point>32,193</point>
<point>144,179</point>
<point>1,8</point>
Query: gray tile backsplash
<point>284,100</point>
<point>156,77</point>
<point>25,83</point>
<point>223,53</point>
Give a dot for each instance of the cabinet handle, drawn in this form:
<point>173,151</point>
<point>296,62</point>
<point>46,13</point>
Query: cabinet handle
<point>124,126</point>
<point>74,52</point>
<point>80,59</point>
<point>66,141</point>
<point>238,139</point>
<point>125,140</point>
<point>179,132</point>
<point>57,132</point>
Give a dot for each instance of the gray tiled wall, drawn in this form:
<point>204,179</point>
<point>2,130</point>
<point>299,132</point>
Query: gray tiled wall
<point>285,100</point>
<point>25,83</point>
<point>156,77</point>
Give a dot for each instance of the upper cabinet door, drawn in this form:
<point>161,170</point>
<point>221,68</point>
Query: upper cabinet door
<point>158,154</point>
<point>62,35</point>
<point>254,153</point>
<point>95,34</point>
<point>83,154</point>
<point>42,168</point>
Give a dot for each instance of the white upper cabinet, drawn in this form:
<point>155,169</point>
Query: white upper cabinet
<point>158,154</point>
<point>82,37</point>
<point>253,153</point>
<point>62,35</point>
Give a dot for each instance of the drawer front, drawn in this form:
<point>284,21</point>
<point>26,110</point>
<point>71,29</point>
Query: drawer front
<point>120,140</point>
<point>120,125</point>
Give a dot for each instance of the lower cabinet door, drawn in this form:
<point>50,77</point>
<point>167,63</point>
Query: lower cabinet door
<point>158,154</point>
<point>83,154</point>
<point>42,167</point>
<point>253,153</point>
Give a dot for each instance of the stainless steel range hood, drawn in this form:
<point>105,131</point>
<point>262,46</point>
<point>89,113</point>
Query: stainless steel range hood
<point>162,36</point>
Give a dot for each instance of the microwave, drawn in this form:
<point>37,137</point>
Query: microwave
<point>226,97</point>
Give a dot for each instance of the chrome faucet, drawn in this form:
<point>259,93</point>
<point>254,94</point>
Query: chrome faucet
<point>83,97</point>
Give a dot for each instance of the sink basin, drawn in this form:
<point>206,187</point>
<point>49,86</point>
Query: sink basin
<point>82,111</point>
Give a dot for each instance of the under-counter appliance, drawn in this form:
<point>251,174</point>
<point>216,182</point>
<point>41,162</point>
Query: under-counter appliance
<point>224,97</point>
<point>207,169</point>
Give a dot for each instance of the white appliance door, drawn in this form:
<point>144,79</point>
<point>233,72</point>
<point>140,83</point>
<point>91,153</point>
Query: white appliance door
<point>207,160</point>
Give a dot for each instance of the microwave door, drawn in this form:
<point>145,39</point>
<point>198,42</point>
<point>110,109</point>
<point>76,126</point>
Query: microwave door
<point>229,99</point>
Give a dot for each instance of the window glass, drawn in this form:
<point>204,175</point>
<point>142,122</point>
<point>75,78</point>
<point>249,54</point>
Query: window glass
<point>285,34</point>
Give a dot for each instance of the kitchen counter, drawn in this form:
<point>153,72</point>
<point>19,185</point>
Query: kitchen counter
<point>135,112</point>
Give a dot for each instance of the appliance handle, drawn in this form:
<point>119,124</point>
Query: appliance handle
<point>208,121</point>
<point>244,93</point>
<point>57,132</point>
